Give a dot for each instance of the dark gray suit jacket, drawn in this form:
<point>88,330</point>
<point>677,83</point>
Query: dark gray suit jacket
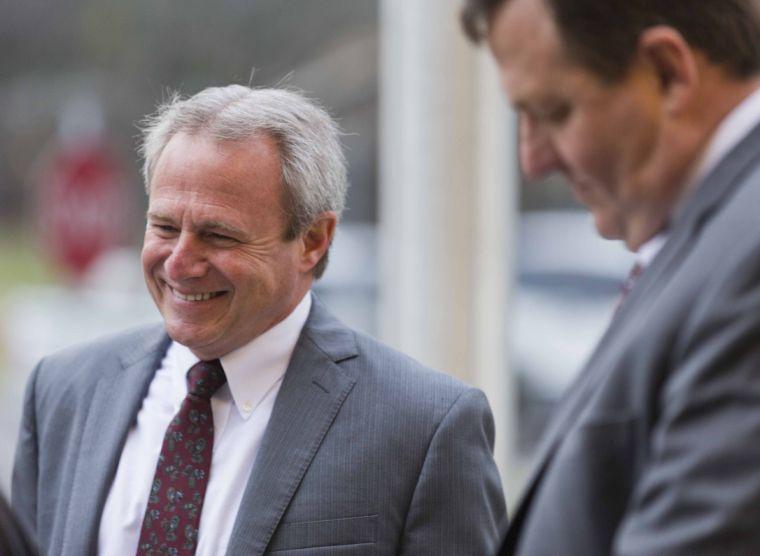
<point>13,539</point>
<point>656,448</point>
<point>366,452</point>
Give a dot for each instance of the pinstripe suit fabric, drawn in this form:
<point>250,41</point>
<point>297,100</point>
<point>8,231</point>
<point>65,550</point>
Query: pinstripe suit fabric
<point>366,452</point>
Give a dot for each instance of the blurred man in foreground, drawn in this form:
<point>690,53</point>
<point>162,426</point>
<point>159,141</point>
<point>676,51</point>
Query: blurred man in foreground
<point>650,109</point>
<point>251,420</point>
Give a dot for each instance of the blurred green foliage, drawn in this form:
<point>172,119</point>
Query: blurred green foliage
<point>22,262</point>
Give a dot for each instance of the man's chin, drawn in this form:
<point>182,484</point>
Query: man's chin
<point>607,227</point>
<point>191,339</point>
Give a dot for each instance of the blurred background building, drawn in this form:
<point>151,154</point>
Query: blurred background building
<point>443,252</point>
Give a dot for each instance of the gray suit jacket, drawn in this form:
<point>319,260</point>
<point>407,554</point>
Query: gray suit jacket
<point>366,452</point>
<point>656,448</point>
<point>13,539</point>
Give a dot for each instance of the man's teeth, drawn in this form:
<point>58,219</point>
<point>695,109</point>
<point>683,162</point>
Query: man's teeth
<point>194,297</point>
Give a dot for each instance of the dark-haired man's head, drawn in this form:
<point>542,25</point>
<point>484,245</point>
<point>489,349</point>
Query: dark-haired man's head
<point>603,34</point>
<point>620,96</point>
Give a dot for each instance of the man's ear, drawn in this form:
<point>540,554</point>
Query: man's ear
<point>316,240</point>
<point>666,52</point>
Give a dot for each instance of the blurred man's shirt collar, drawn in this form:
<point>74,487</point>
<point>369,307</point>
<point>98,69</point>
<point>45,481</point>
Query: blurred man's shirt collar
<point>734,127</point>
<point>648,251</point>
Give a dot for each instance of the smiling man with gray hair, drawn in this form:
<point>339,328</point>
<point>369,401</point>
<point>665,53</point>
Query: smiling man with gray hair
<point>251,421</point>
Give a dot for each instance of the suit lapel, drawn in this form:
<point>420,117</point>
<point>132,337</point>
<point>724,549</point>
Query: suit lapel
<point>716,188</point>
<point>116,399</point>
<point>577,397</point>
<point>312,392</point>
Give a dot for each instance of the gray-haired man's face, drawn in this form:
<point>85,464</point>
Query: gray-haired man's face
<point>214,257</point>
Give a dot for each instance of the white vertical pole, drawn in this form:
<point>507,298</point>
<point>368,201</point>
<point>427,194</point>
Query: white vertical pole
<point>446,202</point>
<point>495,219</point>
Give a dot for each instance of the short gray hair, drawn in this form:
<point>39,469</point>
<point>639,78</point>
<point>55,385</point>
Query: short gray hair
<point>313,163</point>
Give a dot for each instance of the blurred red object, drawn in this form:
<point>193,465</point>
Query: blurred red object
<point>83,204</point>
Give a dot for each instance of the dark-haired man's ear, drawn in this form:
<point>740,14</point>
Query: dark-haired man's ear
<point>674,63</point>
<point>316,240</point>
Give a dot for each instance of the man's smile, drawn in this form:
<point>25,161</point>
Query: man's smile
<point>201,296</point>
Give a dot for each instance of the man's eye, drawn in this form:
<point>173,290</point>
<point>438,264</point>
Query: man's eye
<point>556,114</point>
<point>167,228</point>
<point>220,237</point>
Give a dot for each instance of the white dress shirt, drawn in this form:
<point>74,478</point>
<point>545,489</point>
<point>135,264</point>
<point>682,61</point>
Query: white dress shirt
<point>241,410</point>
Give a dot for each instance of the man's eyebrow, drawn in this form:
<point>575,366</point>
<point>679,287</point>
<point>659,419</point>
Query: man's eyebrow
<point>537,105</point>
<point>519,105</point>
<point>154,215</point>
<point>523,100</point>
<point>205,225</point>
<point>215,225</point>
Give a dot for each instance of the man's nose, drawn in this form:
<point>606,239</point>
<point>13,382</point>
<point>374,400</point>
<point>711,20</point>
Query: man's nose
<point>187,259</point>
<point>538,156</point>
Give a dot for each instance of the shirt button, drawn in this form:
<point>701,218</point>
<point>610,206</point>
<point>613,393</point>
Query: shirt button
<point>247,407</point>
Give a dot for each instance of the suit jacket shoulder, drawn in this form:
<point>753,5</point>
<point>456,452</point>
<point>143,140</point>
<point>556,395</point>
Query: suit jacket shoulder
<point>79,405</point>
<point>82,365</point>
<point>368,450</point>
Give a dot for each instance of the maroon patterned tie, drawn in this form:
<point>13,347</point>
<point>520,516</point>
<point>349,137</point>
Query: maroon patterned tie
<point>170,525</point>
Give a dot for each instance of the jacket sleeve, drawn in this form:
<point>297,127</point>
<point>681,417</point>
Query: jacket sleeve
<point>25,468</point>
<point>458,503</point>
<point>699,491</point>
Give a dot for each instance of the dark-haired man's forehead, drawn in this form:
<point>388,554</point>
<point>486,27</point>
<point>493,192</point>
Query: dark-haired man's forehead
<point>525,42</point>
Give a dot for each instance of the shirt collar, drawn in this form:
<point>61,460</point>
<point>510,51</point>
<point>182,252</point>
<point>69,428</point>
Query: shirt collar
<point>255,368</point>
<point>648,251</point>
<point>731,130</point>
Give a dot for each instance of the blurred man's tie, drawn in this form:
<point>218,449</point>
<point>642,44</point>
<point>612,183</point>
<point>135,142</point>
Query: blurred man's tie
<point>627,285</point>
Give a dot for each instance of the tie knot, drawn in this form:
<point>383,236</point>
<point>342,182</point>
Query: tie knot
<point>205,378</point>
